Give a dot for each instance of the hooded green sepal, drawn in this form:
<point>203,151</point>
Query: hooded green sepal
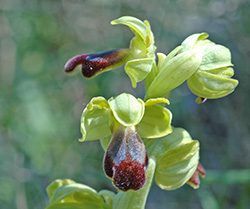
<point>75,195</point>
<point>156,121</point>
<point>95,120</point>
<point>136,25</point>
<point>126,109</point>
<point>173,73</point>
<point>177,157</point>
<point>136,199</point>
<point>213,78</point>
<point>142,49</point>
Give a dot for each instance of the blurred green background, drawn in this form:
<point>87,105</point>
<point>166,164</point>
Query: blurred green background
<point>40,106</point>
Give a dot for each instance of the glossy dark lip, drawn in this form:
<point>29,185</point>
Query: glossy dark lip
<point>126,160</point>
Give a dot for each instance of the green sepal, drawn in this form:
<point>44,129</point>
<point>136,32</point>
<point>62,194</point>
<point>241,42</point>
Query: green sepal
<point>211,86</point>
<point>138,69</point>
<point>95,120</point>
<point>136,199</point>
<point>176,155</point>
<point>155,123</point>
<point>136,25</point>
<point>174,73</point>
<point>126,109</point>
<point>163,59</point>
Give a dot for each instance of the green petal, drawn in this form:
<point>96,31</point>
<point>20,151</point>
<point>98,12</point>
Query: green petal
<point>95,120</point>
<point>138,69</point>
<point>136,25</point>
<point>126,109</point>
<point>155,123</point>
<point>177,156</point>
<point>211,86</point>
<point>175,72</point>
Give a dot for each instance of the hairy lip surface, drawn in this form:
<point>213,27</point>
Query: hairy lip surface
<point>126,160</point>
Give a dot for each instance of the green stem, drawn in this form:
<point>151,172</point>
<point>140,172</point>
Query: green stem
<point>136,199</point>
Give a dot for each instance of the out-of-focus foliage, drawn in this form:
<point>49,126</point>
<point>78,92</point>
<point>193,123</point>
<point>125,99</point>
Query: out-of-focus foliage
<point>40,105</point>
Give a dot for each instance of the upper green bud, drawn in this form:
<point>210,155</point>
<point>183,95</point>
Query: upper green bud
<point>213,78</point>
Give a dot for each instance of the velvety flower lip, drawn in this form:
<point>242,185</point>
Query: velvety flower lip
<point>126,159</point>
<point>93,64</point>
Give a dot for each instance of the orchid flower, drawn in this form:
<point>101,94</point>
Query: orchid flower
<point>139,57</point>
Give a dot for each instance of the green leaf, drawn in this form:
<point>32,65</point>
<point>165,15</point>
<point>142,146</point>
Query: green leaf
<point>126,109</point>
<point>95,120</point>
<point>176,155</point>
<point>175,72</point>
<point>136,199</point>
<point>138,69</point>
<point>155,123</point>
<point>136,25</point>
